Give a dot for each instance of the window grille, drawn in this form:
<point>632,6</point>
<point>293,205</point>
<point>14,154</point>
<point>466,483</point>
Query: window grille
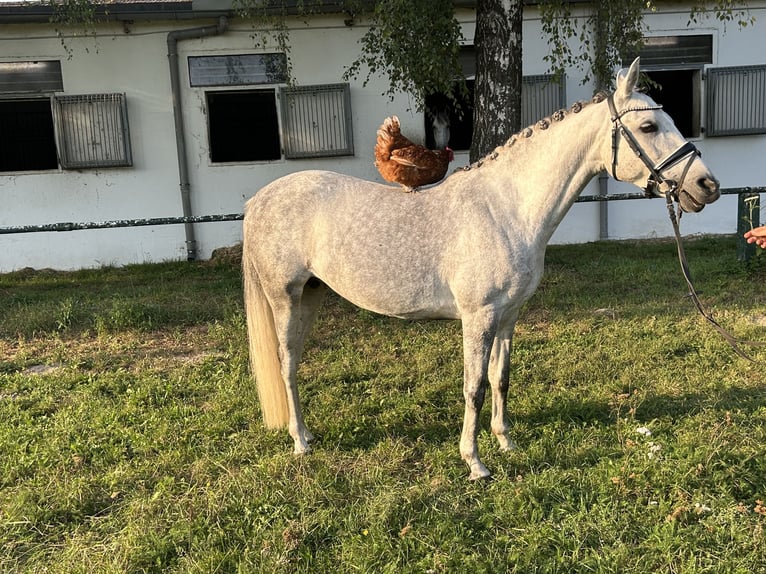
<point>92,131</point>
<point>316,121</point>
<point>540,97</point>
<point>736,101</point>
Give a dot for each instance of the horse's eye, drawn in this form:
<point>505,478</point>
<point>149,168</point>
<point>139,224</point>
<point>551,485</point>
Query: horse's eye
<point>648,127</point>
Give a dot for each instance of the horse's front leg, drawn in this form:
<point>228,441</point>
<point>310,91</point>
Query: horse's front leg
<point>478,334</point>
<point>499,374</point>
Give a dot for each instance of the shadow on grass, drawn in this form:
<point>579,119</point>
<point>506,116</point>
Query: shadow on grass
<point>365,433</point>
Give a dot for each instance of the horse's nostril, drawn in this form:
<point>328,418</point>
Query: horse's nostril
<point>708,183</point>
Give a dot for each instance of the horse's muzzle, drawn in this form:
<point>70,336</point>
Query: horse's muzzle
<point>694,198</point>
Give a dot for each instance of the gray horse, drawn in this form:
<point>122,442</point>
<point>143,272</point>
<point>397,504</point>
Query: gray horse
<point>470,248</point>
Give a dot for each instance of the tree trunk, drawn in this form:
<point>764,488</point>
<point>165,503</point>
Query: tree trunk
<point>497,99</point>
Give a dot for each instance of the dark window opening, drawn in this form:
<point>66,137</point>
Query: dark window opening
<point>460,120</point>
<point>28,142</point>
<point>447,122</point>
<point>678,92</point>
<point>243,126</point>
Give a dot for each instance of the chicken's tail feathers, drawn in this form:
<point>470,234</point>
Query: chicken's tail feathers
<point>387,133</point>
<point>389,128</point>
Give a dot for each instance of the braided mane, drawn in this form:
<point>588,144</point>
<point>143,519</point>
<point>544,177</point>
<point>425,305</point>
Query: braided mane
<point>540,125</point>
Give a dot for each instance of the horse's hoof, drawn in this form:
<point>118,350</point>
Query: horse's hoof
<point>301,449</point>
<point>476,476</point>
<point>479,472</point>
<point>506,444</point>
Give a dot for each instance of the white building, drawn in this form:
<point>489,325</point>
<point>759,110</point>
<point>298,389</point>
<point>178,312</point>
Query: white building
<point>88,133</point>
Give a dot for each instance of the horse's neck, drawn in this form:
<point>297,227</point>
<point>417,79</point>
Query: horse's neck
<point>547,171</point>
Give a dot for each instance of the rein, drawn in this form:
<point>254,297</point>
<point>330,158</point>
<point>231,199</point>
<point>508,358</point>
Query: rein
<point>734,343</point>
<point>654,185</point>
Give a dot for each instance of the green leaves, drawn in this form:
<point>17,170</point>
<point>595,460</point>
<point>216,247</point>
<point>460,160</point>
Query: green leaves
<point>416,44</point>
<point>595,41</point>
<point>601,35</point>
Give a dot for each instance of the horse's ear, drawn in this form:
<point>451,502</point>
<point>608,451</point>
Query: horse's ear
<point>627,82</point>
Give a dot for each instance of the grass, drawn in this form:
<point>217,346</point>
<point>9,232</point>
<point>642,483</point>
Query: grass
<point>130,437</point>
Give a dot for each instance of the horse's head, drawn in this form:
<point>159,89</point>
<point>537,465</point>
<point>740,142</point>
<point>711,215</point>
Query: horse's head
<point>648,150</point>
<point>440,124</point>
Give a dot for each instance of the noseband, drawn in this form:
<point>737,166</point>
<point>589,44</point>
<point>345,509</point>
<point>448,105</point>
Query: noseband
<point>656,184</point>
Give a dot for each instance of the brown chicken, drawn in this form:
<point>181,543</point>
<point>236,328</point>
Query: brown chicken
<point>401,161</point>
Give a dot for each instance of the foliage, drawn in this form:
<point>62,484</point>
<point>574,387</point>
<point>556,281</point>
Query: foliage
<point>139,448</point>
<point>74,17</point>
<point>606,32</point>
<point>416,44</point>
<point>269,25</point>
<point>609,30</point>
<point>723,10</point>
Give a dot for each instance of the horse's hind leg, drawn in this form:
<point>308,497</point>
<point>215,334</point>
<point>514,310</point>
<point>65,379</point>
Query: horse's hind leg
<point>293,317</point>
<point>499,374</point>
<point>313,295</point>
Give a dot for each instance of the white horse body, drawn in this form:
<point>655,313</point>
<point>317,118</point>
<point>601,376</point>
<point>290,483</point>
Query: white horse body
<point>384,245</point>
<point>470,248</point>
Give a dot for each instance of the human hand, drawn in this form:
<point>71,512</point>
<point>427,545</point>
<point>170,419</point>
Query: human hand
<point>757,236</point>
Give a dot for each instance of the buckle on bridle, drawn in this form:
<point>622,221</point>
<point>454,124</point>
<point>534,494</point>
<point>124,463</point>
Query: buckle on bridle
<point>653,188</point>
<point>656,179</point>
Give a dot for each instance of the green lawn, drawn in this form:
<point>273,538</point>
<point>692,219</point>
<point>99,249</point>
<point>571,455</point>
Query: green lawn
<point>131,440</point>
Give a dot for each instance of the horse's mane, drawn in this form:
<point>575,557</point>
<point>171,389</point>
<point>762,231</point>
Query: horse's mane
<point>538,126</point>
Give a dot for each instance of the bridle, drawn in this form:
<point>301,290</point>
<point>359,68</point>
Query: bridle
<point>658,185</point>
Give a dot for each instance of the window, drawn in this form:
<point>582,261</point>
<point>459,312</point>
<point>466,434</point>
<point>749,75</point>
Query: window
<point>243,126</point>
<point>736,101</point>
<point>257,124</point>
<point>31,77</point>
<point>317,121</point>
<point>678,91</point>
<point>28,142</point>
<point>540,97</point>
<point>673,65</point>
<point>237,70</point>
<point>39,133</point>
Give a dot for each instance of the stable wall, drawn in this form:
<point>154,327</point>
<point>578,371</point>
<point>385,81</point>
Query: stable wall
<point>133,60</point>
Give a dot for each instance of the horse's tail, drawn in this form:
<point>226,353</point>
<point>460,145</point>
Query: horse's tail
<point>263,347</point>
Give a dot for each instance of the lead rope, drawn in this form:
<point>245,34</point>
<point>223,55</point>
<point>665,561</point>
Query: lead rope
<point>733,342</point>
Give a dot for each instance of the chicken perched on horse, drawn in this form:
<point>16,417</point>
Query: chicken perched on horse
<point>400,161</point>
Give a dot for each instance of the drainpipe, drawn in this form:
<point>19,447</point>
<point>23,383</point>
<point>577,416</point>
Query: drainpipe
<point>604,18</point>
<point>175,88</point>
<point>603,206</point>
